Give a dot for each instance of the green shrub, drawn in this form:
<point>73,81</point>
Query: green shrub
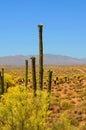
<point>63,124</point>
<point>66,105</point>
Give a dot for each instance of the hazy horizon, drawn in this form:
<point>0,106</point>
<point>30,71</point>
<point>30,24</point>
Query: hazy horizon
<point>43,54</point>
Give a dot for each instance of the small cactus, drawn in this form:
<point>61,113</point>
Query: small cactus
<point>33,75</point>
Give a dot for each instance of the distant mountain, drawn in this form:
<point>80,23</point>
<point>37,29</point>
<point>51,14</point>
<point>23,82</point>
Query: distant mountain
<point>49,59</point>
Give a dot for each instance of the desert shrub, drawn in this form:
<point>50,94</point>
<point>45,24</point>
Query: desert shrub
<point>20,110</point>
<point>63,124</point>
<point>83,93</point>
<point>19,80</point>
<point>75,120</point>
<point>83,127</point>
<point>66,105</point>
<point>8,78</point>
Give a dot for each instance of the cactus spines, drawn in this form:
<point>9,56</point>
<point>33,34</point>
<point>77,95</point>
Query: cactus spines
<point>40,57</point>
<point>33,75</point>
<point>26,73</point>
<point>49,80</point>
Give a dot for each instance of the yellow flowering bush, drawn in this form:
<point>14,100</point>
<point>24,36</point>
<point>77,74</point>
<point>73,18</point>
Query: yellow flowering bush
<point>8,79</point>
<point>20,110</point>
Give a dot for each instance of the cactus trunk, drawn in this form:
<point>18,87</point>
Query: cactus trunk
<point>26,73</point>
<point>40,58</point>
<point>2,81</point>
<point>49,80</point>
<point>0,84</point>
<point>33,75</point>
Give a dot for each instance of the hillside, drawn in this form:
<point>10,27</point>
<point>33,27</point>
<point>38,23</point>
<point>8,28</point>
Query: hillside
<point>49,59</point>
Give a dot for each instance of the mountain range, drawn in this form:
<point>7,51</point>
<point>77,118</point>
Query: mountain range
<point>49,59</point>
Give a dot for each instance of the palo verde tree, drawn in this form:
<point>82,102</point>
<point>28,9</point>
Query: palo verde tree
<point>19,110</point>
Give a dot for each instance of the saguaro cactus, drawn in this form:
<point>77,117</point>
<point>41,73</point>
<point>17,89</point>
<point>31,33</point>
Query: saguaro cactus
<point>33,75</point>
<point>26,73</point>
<point>49,80</point>
<point>0,84</point>
<point>40,57</point>
<point>2,81</point>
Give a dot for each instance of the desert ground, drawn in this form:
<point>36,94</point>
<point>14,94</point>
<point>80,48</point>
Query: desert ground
<point>68,90</point>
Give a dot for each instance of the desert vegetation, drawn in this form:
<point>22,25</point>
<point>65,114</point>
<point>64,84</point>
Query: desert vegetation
<point>42,97</point>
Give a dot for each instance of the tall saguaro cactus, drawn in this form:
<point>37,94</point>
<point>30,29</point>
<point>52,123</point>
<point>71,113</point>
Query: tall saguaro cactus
<point>33,75</point>
<point>40,57</point>
<point>26,73</point>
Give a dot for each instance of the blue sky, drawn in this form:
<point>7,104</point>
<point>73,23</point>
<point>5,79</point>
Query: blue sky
<point>64,30</point>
